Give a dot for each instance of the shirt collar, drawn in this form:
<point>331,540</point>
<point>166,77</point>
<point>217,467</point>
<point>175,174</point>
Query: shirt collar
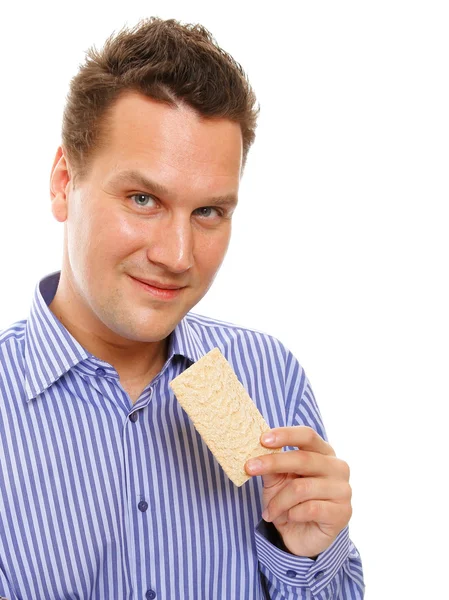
<point>51,350</point>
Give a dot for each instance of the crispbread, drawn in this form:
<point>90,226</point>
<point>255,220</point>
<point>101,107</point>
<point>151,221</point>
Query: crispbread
<point>222,412</point>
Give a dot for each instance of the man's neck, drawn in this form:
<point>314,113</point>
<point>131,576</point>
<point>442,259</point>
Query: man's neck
<point>135,362</point>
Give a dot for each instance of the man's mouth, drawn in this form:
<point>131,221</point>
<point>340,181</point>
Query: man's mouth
<point>166,292</point>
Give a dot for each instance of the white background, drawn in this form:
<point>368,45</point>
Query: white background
<point>340,245</point>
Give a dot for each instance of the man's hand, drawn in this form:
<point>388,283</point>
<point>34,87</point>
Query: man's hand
<point>306,492</point>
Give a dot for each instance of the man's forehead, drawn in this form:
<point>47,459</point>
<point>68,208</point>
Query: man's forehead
<point>143,131</point>
<point>133,108</point>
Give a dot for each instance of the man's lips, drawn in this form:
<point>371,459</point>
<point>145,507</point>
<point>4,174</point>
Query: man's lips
<point>159,284</point>
<point>167,293</point>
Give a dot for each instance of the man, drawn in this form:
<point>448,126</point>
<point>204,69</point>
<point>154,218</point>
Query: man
<point>107,490</point>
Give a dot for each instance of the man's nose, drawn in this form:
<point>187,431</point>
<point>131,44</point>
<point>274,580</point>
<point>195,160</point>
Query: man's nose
<point>171,245</point>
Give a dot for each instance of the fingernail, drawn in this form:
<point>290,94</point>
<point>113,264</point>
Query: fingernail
<point>254,465</point>
<point>268,438</point>
<point>266,515</point>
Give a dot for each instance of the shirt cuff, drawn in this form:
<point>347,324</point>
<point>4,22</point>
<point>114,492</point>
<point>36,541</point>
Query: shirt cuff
<point>298,571</point>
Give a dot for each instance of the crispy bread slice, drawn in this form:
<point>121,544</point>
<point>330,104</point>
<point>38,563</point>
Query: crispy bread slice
<point>222,412</point>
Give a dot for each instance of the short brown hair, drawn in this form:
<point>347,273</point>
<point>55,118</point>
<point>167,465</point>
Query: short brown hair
<point>166,61</point>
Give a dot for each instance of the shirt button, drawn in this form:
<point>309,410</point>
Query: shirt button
<point>291,573</point>
<point>319,574</point>
<point>151,594</point>
<point>134,416</point>
<point>143,507</point>
<point>101,372</point>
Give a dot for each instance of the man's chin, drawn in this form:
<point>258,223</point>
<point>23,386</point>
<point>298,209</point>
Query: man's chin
<point>149,333</point>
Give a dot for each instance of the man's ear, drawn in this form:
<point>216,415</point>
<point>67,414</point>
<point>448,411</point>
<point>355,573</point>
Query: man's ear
<point>59,180</point>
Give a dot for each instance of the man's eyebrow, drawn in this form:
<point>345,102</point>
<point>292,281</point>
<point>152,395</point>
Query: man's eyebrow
<point>136,178</point>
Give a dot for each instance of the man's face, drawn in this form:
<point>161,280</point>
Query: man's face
<point>146,211</point>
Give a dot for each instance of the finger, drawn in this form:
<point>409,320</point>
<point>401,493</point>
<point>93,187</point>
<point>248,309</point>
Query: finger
<point>325,513</point>
<point>303,489</point>
<point>299,436</point>
<point>297,462</point>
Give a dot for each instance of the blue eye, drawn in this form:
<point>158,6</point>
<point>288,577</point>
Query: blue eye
<point>208,208</point>
<point>141,197</point>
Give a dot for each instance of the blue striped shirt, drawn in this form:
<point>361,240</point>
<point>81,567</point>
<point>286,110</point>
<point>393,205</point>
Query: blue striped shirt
<point>105,499</point>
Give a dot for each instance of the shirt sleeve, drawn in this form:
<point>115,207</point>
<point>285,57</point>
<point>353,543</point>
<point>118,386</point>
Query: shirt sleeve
<point>336,574</point>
